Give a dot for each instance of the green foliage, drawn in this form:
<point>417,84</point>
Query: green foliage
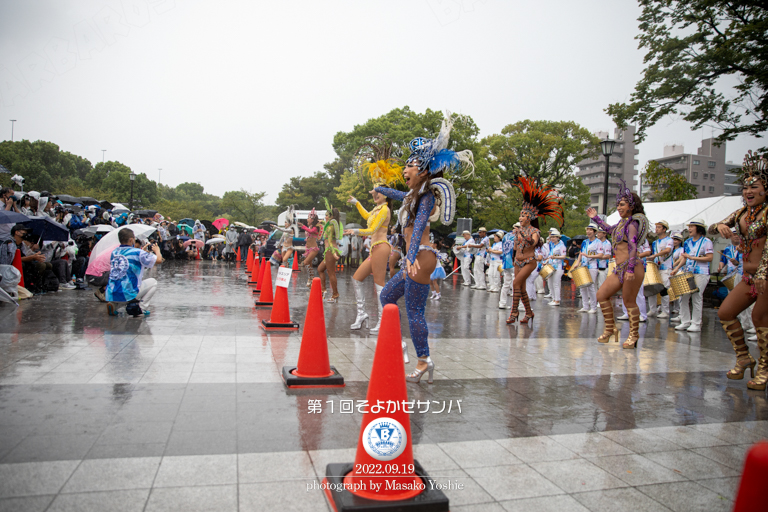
<point>546,150</point>
<point>247,206</point>
<point>666,184</point>
<point>691,46</point>
<point>307,192</point>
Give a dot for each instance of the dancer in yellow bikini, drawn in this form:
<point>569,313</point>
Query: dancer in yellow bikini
<point>382,173</point>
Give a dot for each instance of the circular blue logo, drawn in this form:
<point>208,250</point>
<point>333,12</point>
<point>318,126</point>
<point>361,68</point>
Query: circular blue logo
<point>384,439</point>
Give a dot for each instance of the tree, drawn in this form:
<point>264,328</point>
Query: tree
<point>307,192</point>
<point>547,150</point>
<point>247,206</point>
<point>693,45</point>
<point>666,184</point>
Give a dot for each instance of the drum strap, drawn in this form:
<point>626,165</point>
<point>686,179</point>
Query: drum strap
<point>693,265</point>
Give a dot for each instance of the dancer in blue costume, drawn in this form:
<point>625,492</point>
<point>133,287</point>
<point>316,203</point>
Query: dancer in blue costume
<point>430,198</point>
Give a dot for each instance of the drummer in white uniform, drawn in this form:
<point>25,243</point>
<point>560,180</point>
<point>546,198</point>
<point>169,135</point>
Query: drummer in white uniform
<point>479,268</point>
<point>677,252</point>
<point>697,254</point>
<point>508,265</point>
<point>556,255</point>
<point>589,256</point>
<point>662,255</point>
<point>466,257</point>
<point>603,258</point>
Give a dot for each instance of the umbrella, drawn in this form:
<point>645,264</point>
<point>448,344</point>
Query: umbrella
<point>213,241</point>
<point>189,222</point>
<point>110,240</point>
<point>104,204</point>
<point>261,231</point>
<point>92,230</point>
<point>219,236</point>
<point>9,217</point>
<point>219,224</point>
<point>119,208</point>
<point>64,198</point>
<point>241,225</point>
<point>87,201</point>
<point>183,238</point>
<point>452,235</point>
<point>46,228</point>
<point>353,226</point>
<point>146,213</point>
<point>209,226</point>
<point>198,243</point>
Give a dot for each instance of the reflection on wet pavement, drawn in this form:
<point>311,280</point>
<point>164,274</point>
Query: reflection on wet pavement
<point>197,382</point>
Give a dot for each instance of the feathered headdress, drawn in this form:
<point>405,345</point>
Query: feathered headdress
<point>754,168</point>
<point>433,154</point>
<point>328,206</point>
<point>625,194</point>
<point>384,172</point>
<point>539,201</point>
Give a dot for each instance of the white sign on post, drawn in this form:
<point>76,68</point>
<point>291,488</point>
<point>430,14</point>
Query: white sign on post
<point>283,277</point>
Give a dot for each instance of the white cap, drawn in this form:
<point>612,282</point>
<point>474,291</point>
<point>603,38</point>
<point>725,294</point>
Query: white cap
<point>554,232</point>
<point>697,222</point>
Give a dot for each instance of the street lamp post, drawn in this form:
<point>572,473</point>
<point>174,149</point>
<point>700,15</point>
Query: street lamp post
<point>133,178</point>
<point>469,198</point>
<point>103,151</point>
<point>12,123</point>
<point>607,148</point>
<point>159,172</point>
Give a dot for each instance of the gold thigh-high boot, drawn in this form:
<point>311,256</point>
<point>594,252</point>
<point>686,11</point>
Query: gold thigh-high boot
<point>634,327</point>
<point>760,381</point>
<point>515,304</point>
<point>610,326</point>
<point>744,359</point>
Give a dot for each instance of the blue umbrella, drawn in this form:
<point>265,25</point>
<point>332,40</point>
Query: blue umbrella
<point>9,217</point>
<point>46,228</point>
<point>183,238</point>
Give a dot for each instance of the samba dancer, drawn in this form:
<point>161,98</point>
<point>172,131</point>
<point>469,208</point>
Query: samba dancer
<point>630,232</point>
<point>537,202</point>
<point>382,172</point>
<point>752,227</point>
<point>331,234</point>
<point>312,249</point>
<point>698,252</point>
<point>642,253</point>
<point>661,250</point>
<point>429,198</point>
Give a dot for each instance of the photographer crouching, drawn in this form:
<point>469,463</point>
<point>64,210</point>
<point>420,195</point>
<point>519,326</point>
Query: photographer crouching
<point>127,265</point>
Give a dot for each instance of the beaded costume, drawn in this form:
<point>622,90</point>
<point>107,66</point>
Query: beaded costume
<point>433,157</point>
<point>633,231</point>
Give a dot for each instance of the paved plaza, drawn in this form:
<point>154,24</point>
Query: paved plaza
<point>185,410</point>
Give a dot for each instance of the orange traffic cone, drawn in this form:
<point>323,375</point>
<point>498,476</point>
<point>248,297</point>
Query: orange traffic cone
<point>256,274</point>
<point>385,440</point>
<point>265,297</point>
<point>238,253</point>
<point>455,264</point>
<point>17,264</point>
<point>314,369</point>
<point>197,257</point>
<point>249,261</point>
<point>264,266</point>
<point>751,495</point>
<point>295,266</point>
<point>280,319</point>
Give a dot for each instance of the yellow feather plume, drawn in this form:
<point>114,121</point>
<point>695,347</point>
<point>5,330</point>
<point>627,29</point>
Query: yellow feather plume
<point>384,172</point>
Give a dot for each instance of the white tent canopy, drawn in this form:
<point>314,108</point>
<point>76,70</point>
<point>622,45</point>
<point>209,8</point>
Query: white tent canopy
<point>679,213</point>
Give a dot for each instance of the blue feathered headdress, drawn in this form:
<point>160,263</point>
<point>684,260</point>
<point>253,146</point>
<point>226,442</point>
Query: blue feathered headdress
<point>433,154</point>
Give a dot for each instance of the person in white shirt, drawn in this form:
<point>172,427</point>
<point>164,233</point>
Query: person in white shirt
<point>508,264</point>
<point>602,260</point>
<point>530,283</point>
<point>661,254</point>
<point>479,268</point>
<point>466,258</point>
<point>591,250</point>
<point>677,252</point>
<point>697,254</point>
<point>494,254</point>
<point>556,255</point>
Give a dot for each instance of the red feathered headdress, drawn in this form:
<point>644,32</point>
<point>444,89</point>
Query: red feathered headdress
<point>539,202</point>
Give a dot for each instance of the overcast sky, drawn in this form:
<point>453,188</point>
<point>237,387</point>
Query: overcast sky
<point>247,94</point>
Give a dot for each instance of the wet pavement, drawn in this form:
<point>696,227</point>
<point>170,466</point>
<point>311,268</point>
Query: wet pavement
<point>185,409</point>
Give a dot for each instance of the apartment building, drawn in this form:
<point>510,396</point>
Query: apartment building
<point>706,169</point>
<point>623,165</point>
